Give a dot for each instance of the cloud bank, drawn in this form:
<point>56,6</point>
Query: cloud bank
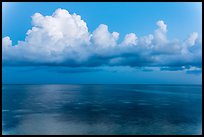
<point>63,39</point>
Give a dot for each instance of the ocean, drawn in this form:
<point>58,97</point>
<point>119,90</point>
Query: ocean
<point>102,109</point>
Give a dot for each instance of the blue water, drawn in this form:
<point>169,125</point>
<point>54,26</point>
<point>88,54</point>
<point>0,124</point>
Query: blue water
<point>102,109</point>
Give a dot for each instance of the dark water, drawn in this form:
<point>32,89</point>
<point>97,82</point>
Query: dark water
<point>102,109</point>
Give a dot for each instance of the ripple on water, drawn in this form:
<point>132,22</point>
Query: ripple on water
<point>165,104</point>
<point>156,106</point>
<point>76,107</point>
<point>5,110</point>
<point>127,102</point>
<point>141,100</point>
<point>95,110</point>
<point>18,116</point>
<point>22,111</point>
<point>80,103</point>
<point>143,104</point>
<point>39,103</point>
<point>115,115</point>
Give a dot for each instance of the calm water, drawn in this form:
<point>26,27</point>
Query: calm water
<point>102,109</point>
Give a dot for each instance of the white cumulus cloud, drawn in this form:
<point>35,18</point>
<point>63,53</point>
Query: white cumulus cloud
<point>130,39</point>
<point>160,33</point>
<point>6,41</point>
<point>192,39</point>
<point>102,37</point>
<point>63,39</point>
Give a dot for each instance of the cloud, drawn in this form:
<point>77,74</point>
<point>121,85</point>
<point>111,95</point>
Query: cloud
<point>130,39</point>
<point>6,41</point>
<point>162,26</point>
<point>194,70</point>
<point>192,39</point>
<point>74,70</point>
<point>146,40</point>
<point>63,39</point>
<point>171,68</point>
<point>160,34</point>
<point>103,38</point>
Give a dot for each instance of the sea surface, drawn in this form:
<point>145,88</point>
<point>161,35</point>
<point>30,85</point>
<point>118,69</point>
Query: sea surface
<point>102,109</point>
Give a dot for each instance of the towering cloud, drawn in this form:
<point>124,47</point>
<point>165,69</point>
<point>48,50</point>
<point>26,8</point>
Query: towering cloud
<point>160,33</point>
<point>63,39</point>
<point>103,38</point>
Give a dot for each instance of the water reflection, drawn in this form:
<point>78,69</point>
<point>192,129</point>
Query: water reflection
<point>101,109</point>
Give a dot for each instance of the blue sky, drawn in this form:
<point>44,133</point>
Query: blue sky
<point>153,43</point>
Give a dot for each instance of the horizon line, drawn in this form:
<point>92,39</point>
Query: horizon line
<point>98,84</point>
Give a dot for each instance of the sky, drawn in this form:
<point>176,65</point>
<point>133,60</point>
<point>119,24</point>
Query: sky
<point>101,43</point>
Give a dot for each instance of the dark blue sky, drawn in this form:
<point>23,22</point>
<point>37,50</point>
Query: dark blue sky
<point>102,43</point>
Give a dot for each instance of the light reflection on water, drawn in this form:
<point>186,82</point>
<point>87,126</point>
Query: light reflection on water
<point>101,109</point>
